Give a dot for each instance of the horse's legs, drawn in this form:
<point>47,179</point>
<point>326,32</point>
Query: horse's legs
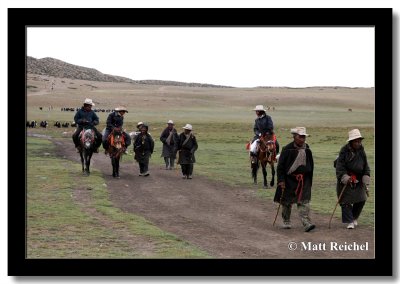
<point>88,158</point>
<point>82,161</point>
<point>254,169</point>
<point>116,167</point>
<point>86,162</point>
<point>272,183</point>
<point>113,166</point>
<point>264,171</point>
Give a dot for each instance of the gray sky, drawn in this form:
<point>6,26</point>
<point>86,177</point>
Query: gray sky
<point>239,57</point>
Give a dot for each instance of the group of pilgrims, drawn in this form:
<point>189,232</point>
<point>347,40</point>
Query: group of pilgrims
<point>296,167</point>
<point>175,146</point>
<point>294,170</point>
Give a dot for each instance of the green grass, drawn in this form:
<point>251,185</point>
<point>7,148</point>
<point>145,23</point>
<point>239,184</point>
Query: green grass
<point>222,156</point>
<point>223,124</point>
<point>58,227</point>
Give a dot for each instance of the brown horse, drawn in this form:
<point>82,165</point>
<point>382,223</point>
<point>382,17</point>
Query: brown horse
<point>266,154</point>
<point>115,149</point>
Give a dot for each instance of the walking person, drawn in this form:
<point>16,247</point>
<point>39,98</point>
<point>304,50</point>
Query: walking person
<point>86,117</point>
<point>168,137</point>
<point>134,134</point>
<point>295,175</point>
<point>116,120</point>
<point>143,147</point>
<point>262,124</point>
<point>185,146</point>
<point>353,178</point>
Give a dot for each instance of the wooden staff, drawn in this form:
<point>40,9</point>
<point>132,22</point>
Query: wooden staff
<point>340,196</point>
<point>279,206</point>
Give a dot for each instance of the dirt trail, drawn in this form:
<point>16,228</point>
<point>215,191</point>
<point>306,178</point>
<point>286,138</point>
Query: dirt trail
<point>227,222</point>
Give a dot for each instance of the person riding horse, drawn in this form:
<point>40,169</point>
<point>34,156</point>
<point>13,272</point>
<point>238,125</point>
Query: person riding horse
<point>262,125</point>
<point>86,118</point>
<point>116,120</point>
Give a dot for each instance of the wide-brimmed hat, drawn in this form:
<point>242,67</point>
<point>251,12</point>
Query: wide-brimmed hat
<point>299,130</point>
<point>188,127</point>
<point>121,108</point>
<point>259,108</point>
<point>139,123</point>
<point>88,102</point>
<point>170,122</point>
<point>354,134</point>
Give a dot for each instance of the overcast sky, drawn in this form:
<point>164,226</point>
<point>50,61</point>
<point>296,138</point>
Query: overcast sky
<point>239,57</point>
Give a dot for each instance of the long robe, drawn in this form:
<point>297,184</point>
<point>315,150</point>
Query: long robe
<point>186,151</point>
<point>352,162</point>
<point>303,188</point>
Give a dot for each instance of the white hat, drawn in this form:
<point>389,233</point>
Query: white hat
<point>354,134</point>
<point>170,122</point>
<point>121,108</point>
<point>259,107</point>
<point>188,127</point>
<point>299,130</point>
<point>88,102</point>
<point>139,123</point>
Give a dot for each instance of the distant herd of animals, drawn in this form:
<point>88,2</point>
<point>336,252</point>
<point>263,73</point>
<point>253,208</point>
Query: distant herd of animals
<point>45,124</point>
<point>58,124</point>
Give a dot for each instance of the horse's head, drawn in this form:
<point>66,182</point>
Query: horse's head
<point>117,138</point>
<point>88,138</point>
<point>270,146</point>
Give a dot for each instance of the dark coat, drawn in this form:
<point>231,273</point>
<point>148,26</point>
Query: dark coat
<point>186,151</point>
<point>262,124</point>
<point>114,119</point>
<point>143,147</point>
<point>352,162</point>
<point>286,159</point>
<point>168,150</point>
<point>90,116</point>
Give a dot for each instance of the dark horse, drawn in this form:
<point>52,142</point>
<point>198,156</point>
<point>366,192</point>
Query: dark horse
<point>116,142</point>
<point>86,141</point>
<point>266,154</point>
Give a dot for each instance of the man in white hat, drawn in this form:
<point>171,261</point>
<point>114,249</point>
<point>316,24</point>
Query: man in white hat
<point>295,174</point>
<point>168,137</point>
<point>85,117</point>
<point>116,120</point>
<point>262,125</point>
<point>353,177</point>
<point>186,145</point>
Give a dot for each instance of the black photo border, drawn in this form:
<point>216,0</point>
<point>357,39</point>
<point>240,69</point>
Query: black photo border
<point>379,18</point>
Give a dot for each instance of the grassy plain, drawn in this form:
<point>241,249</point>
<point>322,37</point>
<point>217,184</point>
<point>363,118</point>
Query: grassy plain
<point>58,227</point>
<point>223,123</point>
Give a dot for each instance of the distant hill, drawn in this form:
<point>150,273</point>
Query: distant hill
<point>60,69</point>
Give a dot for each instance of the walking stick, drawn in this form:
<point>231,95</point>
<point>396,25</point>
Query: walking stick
<point>340,196</point>
<point>279,206</point>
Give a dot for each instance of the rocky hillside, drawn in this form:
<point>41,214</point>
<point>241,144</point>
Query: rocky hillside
<point>60,69</point>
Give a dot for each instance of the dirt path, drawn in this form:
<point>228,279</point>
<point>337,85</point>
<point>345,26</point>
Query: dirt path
<point>225,221</point>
